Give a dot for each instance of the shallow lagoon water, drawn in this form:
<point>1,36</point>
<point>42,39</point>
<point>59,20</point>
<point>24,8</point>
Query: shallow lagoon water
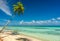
<point>43,33</point>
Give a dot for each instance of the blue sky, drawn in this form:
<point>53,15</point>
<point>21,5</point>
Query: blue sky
<point>34,10</point>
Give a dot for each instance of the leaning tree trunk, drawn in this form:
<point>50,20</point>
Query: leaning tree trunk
<point>7,24</point>
<point>4,26</point>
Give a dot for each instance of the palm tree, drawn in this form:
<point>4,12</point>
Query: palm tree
<point>18,9</point>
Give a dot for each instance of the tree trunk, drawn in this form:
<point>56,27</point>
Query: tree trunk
<point>4,26</point>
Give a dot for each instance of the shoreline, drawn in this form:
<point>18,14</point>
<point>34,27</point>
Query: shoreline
<point>7,37</point>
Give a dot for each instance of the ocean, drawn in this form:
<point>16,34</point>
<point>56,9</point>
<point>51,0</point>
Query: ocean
<point>43,33</point>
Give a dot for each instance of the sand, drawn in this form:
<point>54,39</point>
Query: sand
<point>8,37</point>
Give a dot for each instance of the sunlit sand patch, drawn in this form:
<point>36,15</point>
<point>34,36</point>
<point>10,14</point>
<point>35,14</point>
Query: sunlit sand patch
<point>8,37</point>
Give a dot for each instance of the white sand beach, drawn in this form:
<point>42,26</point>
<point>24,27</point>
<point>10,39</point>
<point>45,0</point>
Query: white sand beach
<point>6,36</point>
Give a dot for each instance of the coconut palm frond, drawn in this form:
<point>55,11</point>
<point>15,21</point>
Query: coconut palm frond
<point>18,8</point>
<point>22,9</point>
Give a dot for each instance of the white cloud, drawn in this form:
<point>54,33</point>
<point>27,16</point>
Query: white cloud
<point>53,19</point>
<point>21,22</point>
<point>34,22</point>
<point>41,22</point>
<point>4,7</point>
<point>58,18</point>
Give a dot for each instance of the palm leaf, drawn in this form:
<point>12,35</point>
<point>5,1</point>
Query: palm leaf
<point>18,8</point>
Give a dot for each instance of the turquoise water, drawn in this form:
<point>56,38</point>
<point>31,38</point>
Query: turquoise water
<point>44,33</point>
